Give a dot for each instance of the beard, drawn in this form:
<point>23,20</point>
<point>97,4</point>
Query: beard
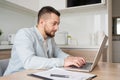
<point>50,34</point>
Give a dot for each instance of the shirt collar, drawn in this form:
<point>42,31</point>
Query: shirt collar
<point>39,34</point>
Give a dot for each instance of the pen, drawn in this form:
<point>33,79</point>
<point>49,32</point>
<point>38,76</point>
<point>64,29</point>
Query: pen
<point>59,75</point>
<point>92,77</point>
<point>44,78</point>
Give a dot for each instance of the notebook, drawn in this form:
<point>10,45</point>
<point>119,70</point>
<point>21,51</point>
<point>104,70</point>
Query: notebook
<point>89,66</point>
<point>62,74</point>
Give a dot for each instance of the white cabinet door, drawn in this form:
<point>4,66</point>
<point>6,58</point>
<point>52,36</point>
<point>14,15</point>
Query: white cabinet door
<point>36,5</point>
<point>58,4</point>
<point>29,4</point>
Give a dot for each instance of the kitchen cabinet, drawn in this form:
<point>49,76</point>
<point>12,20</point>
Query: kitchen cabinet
<point>5,54</point>
<point>58,4</point>
<point>29,4</point>
<point>21,6</point>
<point>35,5</point>
<point>83,8</point>
<point>5,51</point>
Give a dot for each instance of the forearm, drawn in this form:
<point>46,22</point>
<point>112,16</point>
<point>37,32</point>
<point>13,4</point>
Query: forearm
<point>43,63</point>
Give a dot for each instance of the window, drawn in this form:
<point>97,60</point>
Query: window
<point>116,26</point>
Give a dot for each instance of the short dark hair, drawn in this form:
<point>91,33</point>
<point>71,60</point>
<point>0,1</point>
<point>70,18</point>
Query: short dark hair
<point>49,10</point>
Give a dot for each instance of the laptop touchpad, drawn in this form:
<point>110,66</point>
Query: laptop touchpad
<point>86,66</point>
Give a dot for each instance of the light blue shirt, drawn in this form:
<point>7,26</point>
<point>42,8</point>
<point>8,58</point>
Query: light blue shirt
<point>29,52</point>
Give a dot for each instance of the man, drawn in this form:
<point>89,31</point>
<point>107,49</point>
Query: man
<point>34,48</point>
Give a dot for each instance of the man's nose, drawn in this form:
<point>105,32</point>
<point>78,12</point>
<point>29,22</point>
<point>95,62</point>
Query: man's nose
<point>56,27</point>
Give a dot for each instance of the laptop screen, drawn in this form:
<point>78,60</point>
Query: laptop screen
<point>100,51</point>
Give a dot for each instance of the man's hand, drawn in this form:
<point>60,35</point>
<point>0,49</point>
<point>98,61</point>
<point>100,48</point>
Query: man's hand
<point>76,61</point>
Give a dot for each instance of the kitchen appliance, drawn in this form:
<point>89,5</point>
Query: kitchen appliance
<point>11,38</point>
<point>61,38</point>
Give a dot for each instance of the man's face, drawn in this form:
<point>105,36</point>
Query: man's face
<point>51,25</point>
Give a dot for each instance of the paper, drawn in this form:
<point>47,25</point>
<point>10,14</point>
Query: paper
<point>60,71</point>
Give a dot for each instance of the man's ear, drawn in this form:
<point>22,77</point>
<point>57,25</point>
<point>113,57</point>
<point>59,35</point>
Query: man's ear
<point>42,22</point>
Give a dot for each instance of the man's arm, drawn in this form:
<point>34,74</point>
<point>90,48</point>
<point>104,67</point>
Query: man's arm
<point>26,53</point>
<point>68,60</point>
<point>57,51</point>
<point>76,61</point>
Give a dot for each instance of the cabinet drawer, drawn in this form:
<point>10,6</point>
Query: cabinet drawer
<point>5,54</point>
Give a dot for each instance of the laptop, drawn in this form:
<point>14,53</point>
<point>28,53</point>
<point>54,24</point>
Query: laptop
<point>89,66</point>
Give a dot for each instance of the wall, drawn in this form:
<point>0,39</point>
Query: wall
<point>81,24</point>
<point>12,19</point>
<point>29,4</point>
<point>116,51</point>
<point>116,44</point>
<point>115,8</point>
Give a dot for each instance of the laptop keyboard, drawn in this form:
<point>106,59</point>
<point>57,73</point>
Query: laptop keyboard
<point>86,66</point>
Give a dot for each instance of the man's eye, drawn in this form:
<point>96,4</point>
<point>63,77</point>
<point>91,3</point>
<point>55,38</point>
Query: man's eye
<point>54,24</point>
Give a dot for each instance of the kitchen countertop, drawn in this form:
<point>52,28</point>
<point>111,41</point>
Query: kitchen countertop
<point>79,46</point>
<point>5,47</point>
<point>61,46</point>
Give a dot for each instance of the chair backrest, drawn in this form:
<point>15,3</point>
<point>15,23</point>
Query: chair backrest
<point>3,66</point>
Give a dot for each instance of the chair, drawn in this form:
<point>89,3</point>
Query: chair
<point>3,66</point>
